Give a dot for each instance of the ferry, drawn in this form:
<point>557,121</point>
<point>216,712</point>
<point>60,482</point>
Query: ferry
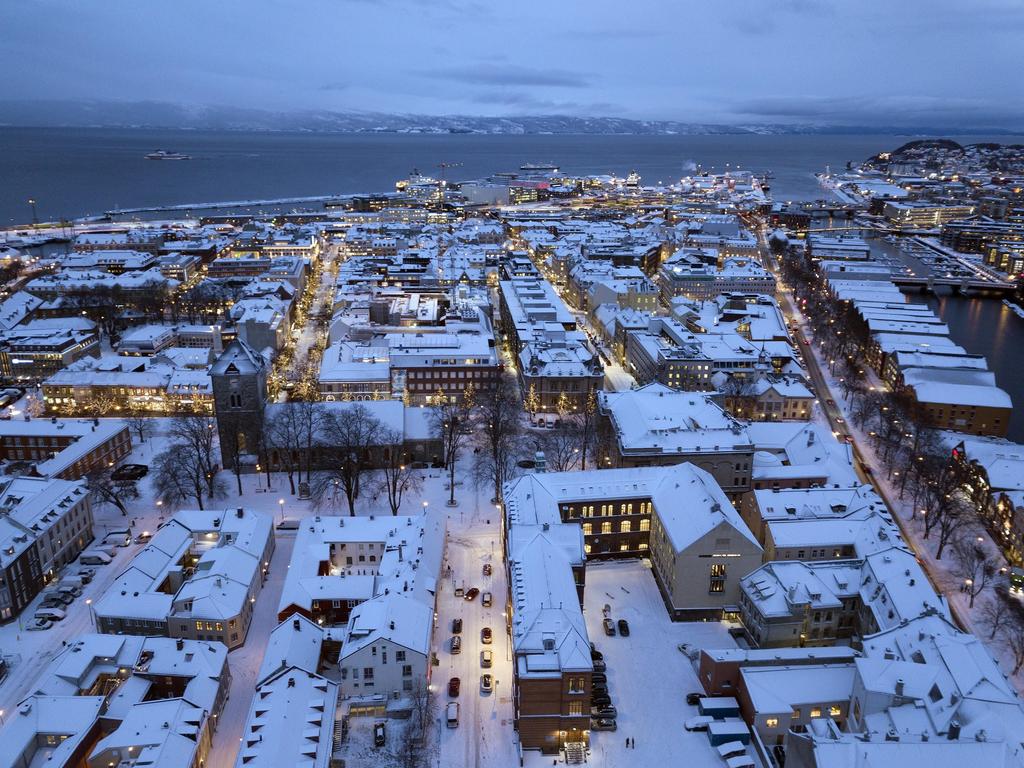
<point>539,168</point>
<point>1015,308</point>
<point>163,154</point>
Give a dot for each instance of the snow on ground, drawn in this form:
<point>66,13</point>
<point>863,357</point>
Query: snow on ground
<point>648,677</point>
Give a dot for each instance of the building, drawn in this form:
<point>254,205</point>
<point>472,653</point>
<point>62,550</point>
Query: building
<point>558,371</point>
<point>699,275</point>
<point>239,379</point>
<point>44,525</point>
<point>919,214</point>
<point>656,426</point>
<point>197,578</point>
<point>68,449</point>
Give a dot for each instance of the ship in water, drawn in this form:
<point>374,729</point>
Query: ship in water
<point>1014,307</point>
<point>163,154</point>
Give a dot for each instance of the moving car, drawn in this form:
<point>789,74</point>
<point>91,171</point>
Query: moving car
<point>623,627</point>
<point>486,636</point>
<point>609,627</point>
<point>603,724</point>
<point>453,686</point>
<point>379,737</point>
<point>486,683</point>
<point>486,599</point>
<point>143,537</point>
<point>471,593</point>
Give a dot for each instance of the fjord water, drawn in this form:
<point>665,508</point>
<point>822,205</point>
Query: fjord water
<point>75,172</point>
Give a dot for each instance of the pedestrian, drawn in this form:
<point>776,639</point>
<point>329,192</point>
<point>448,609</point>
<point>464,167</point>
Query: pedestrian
<point>627,742</point>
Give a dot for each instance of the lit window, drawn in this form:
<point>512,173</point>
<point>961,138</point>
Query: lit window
<point>772,722</point>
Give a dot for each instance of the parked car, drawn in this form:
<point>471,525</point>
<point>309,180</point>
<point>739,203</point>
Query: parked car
<point>599,677</point>
<point>486,636</point>
<point>471,593</point>
<point>456,626</point>
<point>94,558</point>
<point>456,644</point>
<point>487,569</point>
<point>85,574</point>
<point>379,736</point>
<point>129,472</point>
<point>38,625</point>
<point>453,686</point>
<point>604,712</point>
<point>603,724</point>
<point>50,614</point>
<point>601,701</point>
<point>70,590</point>
<point>698,723</point>
<point>623,627</point>
<point>485,599</point>
<point>595,654</point>
<point>693,699</point>
<point>600,666</point>
<point>451,714</point>
<point>609,627</point>
<point>486,683</point>
<point>486,658</point>
<point>459,592</point>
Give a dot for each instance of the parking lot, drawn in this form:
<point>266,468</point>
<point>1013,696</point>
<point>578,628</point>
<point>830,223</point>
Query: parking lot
<point>648,677</point>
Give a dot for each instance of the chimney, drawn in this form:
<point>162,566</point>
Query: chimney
<point>291,682</point>
<point>899,686</point>
<point>954,730</point>
<point>180,644</point>
<point>392,625</point>
<point>239,512</point>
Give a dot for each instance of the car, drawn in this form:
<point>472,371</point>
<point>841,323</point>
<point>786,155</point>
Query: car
<point>143,537</point>
<point>623,627</point>
<point>86,575</point>
<point>459,592</point>
<point>839,420</point>
<point>39,625</point>
<point>487,569</point>
<point>599,689</point>
<point>830,401</point>
<point>486,658</point>
<point>456,644</point>
<point>599,677</point>
<point>698,723</point>
<point>600,666</point>
<point>456,626</point>
<point>129,472</point>
<point>609,627</point>
<point>604,712</point>
<point>595,654</point>
<point>486,636</point>
<point>451,713</point>
<point>379,736</point>
<point>453,686</point>
<point>807,343</point>
<point>471,593</point>
<point>485,599</point>
<point>486,683</point>
<point>70,589</point>
<point>602,724</point>
<point>601,701</point>
<point>693,699</point>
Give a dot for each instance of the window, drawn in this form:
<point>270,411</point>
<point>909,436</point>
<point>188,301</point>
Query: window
<point>199,626</point>
<point>816,712</point>
<point>588,529</point>
<point>771,722</point>
<point>624,547</point>
<point>575,707</point>
<point>399,655</point>
<point>577,685</point>
<point>645,524</point>
<point>368,673</point>
<point>606,527</point>
<point>625,526</point>
<point>407,670</point>
<point>834,710</point>
<point>796,714</point>
<point>407,685</point>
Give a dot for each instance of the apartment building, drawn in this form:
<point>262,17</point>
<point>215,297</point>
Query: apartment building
<point>68,449</point>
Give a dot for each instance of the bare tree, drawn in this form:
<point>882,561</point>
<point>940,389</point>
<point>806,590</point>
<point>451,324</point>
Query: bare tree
<point>996,613</point>
<point>396,476</point>
<point>412,750</point>
<point>1012,635</point>
<point>500,414</point>
<point>450,419</point>
<point>178,477</point>
<point>587,427</point>
<point>351,435</point>
<point>740,396</point>
<point>140,425</point>
<point>285,435</point>
<point>974,565</point>
<point>561,446</point>
<point>957,517</point>
<point>198,435</point>
<point>103,488</point>
<point>311,418</point>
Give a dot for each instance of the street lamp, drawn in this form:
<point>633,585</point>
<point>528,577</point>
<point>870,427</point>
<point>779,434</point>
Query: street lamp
<point>280,504</point>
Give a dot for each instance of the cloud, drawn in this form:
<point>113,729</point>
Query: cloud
<point>528,101</point>
<point>895,111</point>
<point>335,86</point>
<point>516,76</point>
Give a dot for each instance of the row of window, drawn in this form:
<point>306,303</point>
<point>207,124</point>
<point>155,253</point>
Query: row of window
<point>624,508</point>
<point>624,526</point>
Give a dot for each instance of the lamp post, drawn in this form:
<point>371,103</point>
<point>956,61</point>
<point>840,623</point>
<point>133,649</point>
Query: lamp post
<point>280,504</point>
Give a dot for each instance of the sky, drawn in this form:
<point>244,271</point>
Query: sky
<point>844,62</point>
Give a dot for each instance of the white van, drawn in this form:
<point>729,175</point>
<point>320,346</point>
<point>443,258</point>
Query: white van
<point>94,557</point>
<point>50,614</point>
<point>452,714</point>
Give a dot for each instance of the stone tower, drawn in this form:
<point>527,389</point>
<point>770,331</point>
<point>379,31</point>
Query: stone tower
<point>239,378</point>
